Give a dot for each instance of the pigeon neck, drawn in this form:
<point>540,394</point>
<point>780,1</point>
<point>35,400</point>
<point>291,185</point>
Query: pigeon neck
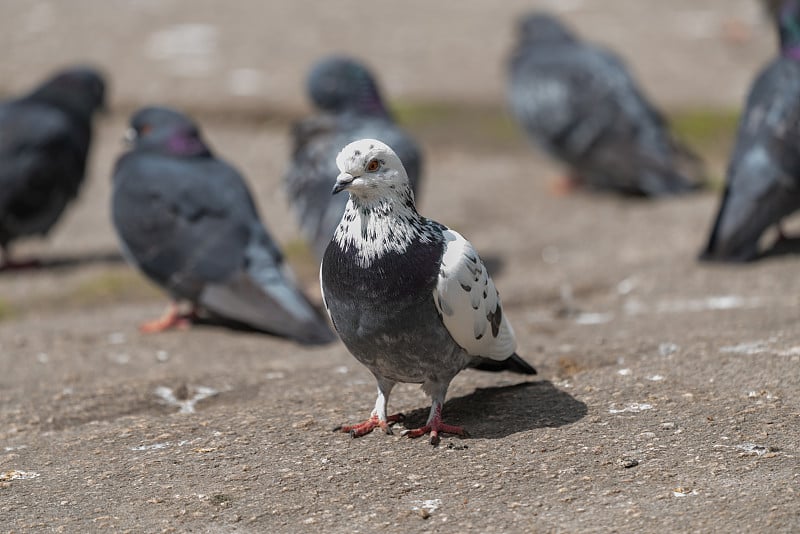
<point>791,52</point>
<point>374,227</point>
<point>370,104</point>
<point>365,108</point>
<point>185,145</point>
<point>789,29</point>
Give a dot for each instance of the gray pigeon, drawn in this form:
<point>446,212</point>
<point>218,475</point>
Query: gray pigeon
<point>188,221</point>
<point>763,177</point>
<point>410,298</point>
<point>351,108</point>
<point>580,105</point>
<point>44,144</point>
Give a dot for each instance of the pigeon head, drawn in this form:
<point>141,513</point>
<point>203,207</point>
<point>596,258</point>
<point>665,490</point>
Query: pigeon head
<point>341,84</point>
<point>380,215</point>
<point>370,170</point>
<point>789,28</point>
<point>167,131</point>
<point>539,28</point>
<point>79,90</point>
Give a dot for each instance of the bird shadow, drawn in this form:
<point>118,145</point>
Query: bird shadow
<point>63,262</point>
<point>215,321</point>
<point>497,412</point>
<point>787,246</point>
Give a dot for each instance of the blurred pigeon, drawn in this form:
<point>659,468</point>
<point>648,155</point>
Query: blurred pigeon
<point>410,298</point>
<point>188,221</point>
<point>578,103</point>
<point>350,108</point>
<point>44,143</point>
<point>773,7</point>
<point>763,177</point>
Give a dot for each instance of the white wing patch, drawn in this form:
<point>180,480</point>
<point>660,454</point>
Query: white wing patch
<point>469,304</point>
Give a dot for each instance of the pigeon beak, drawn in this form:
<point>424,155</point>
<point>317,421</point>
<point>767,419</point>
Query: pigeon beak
<point>342,181</point>
<point>130,136</point>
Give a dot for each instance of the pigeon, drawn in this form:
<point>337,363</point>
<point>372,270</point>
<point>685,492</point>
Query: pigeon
<point>578,103</point>
<point>409,297</point>
<point>44,143</point>
<point>350,108</point>
<point>763,175</point>
<point>187,220</point>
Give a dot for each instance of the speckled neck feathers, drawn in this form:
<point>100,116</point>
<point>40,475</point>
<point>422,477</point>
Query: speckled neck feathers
<point>374,227</point>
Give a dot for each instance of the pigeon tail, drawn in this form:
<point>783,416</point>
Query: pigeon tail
<point>513,363</point>
<point>748,208</point>
<point>681,171</point>
<point>242,300</point>
<point>719,249</point>
<point>688,167</point>
<point>265,296</point>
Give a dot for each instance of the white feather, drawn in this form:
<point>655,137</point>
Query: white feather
<point>372,236</point>
<point>465,295</point>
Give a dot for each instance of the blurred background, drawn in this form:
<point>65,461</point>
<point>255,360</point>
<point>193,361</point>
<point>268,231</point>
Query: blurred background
<point>240,68</point>
<point>248,54</point>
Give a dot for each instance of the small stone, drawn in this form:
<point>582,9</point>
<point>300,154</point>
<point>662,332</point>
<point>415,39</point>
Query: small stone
<point>182,392</point>
<point>627,462</point>
<point>665,349</point>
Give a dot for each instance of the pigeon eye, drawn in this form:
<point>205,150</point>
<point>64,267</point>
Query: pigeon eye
<point>144,129</point>
<point>373,165</point>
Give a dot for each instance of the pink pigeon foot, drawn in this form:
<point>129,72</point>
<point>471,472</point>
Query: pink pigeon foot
<point>172,319</point>
<point>362,429</point>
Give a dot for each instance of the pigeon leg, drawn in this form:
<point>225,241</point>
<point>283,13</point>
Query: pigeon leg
<point>781,233</point>
<point>8,264</point>
<point>378,418</point>
<point>565,185</point>
<point>172,318</point>
<point>435,426</point>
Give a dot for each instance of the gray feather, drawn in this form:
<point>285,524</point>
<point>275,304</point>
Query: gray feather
<point>188,221</point>
<point>579,103</point>
<point>44,144</point>
<point>763,177</point>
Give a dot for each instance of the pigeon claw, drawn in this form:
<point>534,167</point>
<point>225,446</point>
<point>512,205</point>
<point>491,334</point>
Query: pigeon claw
<point>564,186</point>
<point>172,319</point>
<point>434,428</point>
<point>362,429</point>
<point>20,265</point>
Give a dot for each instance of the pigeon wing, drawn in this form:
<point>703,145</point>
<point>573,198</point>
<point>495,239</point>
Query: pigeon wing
<point>469,304</point>
<point>183,224</point>
<point>581,104</point>
<point>192,227</point>
<point>762,185</point>
<point>41,166</point>
<point>264,295</point>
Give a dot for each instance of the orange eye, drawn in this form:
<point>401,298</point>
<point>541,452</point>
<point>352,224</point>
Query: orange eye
<point>373,165</point>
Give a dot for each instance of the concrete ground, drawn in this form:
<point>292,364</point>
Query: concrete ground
<point>668,396</point>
